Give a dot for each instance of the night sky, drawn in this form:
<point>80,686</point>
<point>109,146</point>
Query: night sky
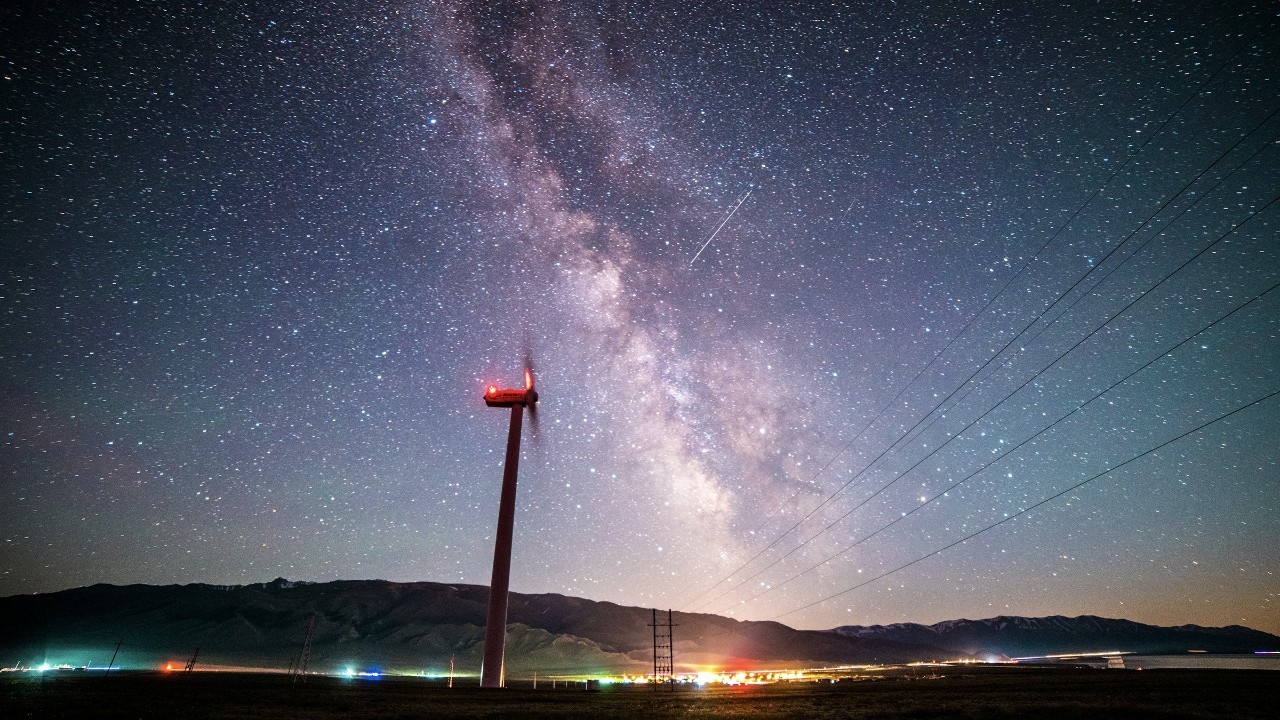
<point>261,259</point>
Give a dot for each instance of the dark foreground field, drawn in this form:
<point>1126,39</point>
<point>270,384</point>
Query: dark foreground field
<point>979,693</point>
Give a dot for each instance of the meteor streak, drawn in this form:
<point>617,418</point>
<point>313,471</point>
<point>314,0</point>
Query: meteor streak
<point>721,225</point>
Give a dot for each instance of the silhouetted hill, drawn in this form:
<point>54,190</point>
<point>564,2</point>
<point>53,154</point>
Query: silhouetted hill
<point>393,626</point>
<point>1055,635</point>
<point>412,627</point>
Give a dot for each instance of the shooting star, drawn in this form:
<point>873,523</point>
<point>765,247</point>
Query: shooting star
<point>721,225</point>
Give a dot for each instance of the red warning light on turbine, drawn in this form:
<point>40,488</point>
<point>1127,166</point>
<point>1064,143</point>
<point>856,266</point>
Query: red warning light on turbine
<point>507,397</point>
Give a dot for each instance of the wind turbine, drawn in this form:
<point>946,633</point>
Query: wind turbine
<point>495,629</point>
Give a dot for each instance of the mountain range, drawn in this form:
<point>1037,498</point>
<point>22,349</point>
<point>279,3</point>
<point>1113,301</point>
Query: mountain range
<point>1022,637</point>
<point>423,626</point>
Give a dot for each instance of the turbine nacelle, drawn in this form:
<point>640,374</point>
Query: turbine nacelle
<point>508,397</point>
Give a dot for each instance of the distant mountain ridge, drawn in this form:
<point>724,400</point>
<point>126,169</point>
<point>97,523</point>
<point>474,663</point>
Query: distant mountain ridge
<point>406,627</point>
<point>421,626</point>
<point>1013,636</point>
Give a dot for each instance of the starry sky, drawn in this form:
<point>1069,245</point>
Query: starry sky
<point>789,271</point>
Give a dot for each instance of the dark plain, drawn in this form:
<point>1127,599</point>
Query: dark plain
<point>979,693</point>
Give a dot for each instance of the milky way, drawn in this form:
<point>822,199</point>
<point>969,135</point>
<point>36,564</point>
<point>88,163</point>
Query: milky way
<point>262,259</point>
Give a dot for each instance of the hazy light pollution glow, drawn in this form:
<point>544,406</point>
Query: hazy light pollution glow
<point>263,260</point>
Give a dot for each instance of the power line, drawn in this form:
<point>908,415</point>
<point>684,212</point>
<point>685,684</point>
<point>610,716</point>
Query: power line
<point>1159,356</point>
<point>1244,46</point>
<point>999,403</point>
<point>975,420</point>
<point>1029,508</point>
<point>1117,266</point>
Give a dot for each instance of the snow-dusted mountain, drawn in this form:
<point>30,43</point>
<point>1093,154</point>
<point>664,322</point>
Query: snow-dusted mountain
<point>1011,636</point>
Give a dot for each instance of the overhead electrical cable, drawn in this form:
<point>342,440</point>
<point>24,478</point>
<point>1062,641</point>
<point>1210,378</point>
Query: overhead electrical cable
<point>943,493</point>
<point>942,411</point>
<point>1029,508</point>
<point>999,403</point>
<point>973,319</point>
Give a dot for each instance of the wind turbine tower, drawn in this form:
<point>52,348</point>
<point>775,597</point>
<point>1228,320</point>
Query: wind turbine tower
<point>495,629</point>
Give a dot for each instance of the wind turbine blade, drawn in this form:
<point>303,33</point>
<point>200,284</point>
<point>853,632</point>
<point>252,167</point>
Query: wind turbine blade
<point>534,428</point>
<point>528,366</point>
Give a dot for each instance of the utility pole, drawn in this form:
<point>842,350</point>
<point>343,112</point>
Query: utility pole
<point>304,657</point>
<point>663,652</point>
<point>191,664</point>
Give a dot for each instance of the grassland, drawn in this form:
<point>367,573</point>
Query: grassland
<point>977,693</point>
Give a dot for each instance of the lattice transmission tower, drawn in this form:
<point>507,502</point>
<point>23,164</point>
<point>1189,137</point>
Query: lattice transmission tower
<point>663,652</point>
<point>304,657</point>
